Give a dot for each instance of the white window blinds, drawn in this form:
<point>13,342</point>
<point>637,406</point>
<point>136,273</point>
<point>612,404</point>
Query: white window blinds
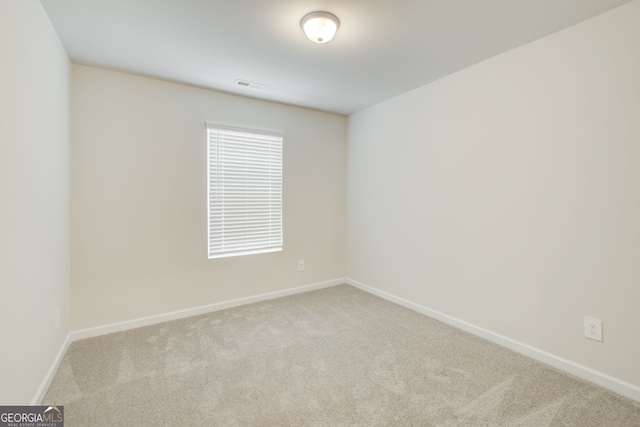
<point>244,172</point>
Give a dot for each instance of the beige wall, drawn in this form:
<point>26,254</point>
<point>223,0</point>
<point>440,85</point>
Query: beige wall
<point>139,243</point>
<point>507,195</point>
<point>34,198</point>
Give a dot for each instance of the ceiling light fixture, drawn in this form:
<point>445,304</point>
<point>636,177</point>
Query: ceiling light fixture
<point>320,27</point>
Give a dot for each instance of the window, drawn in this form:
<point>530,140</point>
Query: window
<point>244,186</point>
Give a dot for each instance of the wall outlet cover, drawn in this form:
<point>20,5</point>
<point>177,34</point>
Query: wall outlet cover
<point>593,328</point>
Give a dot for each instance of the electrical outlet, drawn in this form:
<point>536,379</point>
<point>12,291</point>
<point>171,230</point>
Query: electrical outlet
<point>57,318</point>
<point>300,265</point>
<point>593,328</point>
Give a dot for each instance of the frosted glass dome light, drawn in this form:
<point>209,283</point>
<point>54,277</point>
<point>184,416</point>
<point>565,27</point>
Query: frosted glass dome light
<point>320,27</point>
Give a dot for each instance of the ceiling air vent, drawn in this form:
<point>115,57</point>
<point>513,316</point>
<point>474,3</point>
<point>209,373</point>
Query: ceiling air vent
<point>250,85</point>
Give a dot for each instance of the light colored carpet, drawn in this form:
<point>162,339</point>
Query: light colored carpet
<point>333,357</point>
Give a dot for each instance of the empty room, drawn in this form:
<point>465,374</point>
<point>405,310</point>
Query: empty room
<point>331,213</point>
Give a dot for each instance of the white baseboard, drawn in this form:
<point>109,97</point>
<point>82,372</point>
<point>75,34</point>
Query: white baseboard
<point>151,320</point>
<point>46,382</point>
<point>617,385</point>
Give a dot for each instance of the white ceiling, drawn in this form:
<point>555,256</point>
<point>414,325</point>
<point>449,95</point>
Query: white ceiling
<point>383,47</point>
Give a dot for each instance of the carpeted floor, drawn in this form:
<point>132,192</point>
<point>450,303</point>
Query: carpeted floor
<point>333,357</point>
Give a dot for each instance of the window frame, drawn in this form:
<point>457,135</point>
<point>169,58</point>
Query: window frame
<point>262,190</point>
